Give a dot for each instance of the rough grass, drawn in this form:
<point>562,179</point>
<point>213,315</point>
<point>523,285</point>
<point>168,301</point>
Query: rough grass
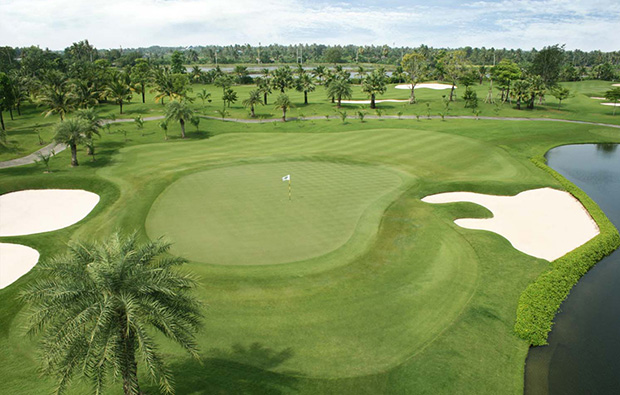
<point>417,305</point>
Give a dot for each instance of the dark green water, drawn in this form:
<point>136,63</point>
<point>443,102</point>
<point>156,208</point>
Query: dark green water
<point>583,355</point>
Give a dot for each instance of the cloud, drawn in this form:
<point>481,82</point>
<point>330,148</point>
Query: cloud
<point>448,23</point>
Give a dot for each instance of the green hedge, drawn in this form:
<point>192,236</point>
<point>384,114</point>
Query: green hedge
<point>541,300</point>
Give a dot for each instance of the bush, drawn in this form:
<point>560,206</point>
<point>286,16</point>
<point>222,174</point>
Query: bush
<point>541,300</point>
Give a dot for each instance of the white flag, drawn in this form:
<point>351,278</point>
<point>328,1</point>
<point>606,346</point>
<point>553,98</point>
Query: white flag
<point>286,177</point>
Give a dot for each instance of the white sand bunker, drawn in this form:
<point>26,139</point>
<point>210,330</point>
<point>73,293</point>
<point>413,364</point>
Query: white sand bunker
<point>15,261</point>
<point>376,101</point>
<point>615,84</point>
<point>611,104</point>
<point>43,210</point>
<point>597,98</point>
<point>427,86</point>
<point>545,223</point>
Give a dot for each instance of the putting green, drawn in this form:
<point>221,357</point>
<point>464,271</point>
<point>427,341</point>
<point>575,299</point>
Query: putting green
<point>242,215</point>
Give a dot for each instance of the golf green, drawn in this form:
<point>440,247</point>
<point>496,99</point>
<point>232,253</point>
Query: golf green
<point>242,215</point>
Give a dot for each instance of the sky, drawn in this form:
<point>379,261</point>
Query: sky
<point>55,24</point>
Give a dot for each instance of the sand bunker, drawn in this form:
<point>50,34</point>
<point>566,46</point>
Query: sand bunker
<point>15,261</point>
<point>427,86</point>
<point>611,104</point>
<point>376,101</point>
<point>545,223</point>
<point>615,84</point>
<point>597,98</point>
<point>43,210</point>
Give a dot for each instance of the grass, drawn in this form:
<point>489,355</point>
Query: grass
<point>409,302</point>
<point>23,139</point>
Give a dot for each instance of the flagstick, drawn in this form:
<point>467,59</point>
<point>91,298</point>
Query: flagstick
<point>289,189</point>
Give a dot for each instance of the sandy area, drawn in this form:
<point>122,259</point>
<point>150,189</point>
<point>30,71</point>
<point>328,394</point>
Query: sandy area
<point>43,210</point>
<point>15,261</point>
<point>427,86</point>
<point>545,223</point>
<point>615,84</point>
<point>376,101</point>
<point>611,104</point>
<point>597,98</point>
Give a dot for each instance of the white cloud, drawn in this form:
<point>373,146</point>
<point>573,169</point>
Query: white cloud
<point>113,23</point>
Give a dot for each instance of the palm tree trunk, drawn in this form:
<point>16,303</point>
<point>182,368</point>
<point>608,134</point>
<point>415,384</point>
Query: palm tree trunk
<point>339,100</point>
<point>143,100</point>
<point>182,122</point>
<point>283,114</point>
<point>2,120</point>
<point>74,161</point>
<point>129,366</point>
<point>19,112</point>
<point>252,109</point>
<point>265,98</point>
<point>518,104</point>
<point>305,97</point>
<point>11,113</point>
<point>372,101</point>
<point>121,104</point>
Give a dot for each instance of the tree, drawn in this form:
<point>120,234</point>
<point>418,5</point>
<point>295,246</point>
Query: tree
<point>548,63</point>
<point>416,66</point>
<point>99,304</point>
<point>319,72</point>
<point>338,89</point>
<point>86,93</point>
<point>284,103</point>
<point>333,55</point>
<point>178,111</point>
<point>242,74</point>
<point>172,86</point>
<point>140,76</point>
<point>471,98</point>
<point>504,73</point>
<point>374,84</point>
<point>305,84</point>
<point>520,91</point>
<point>4,92</point>
<point>55,94</point>
<point>72,132</point>
<point>177,63</point>
<point>93,127</point>
<point>561,93</point>
<point>204,95</point>
<point>264,87</point>
<point>229,97</point>
<point>119,89</point>
<point>613,95</point>
<point>454,64</point>
<point>45,159</point>
<point>282,78</point>
<point>537,89</point>
<point>253,100</point>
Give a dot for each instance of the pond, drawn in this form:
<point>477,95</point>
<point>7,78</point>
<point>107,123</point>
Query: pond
<point>583,355</point>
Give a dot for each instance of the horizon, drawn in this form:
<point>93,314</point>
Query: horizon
<point>500,24</point>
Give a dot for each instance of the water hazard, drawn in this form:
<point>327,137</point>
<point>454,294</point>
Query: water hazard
<point>583,355</point>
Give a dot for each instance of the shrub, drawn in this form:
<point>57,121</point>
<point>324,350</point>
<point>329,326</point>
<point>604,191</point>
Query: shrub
<point>540,301</point>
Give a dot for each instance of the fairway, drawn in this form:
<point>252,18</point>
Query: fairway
<point>242,215</point>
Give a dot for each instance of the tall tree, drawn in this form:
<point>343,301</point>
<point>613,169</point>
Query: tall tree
<point>71,132</point>
<point>229,97</point>
<point>119,89</point>
<point>55,94</point>
<point>374,84</point>
<point>264,87</point>
<point>454,66</point>
<point>283,103</point>
<point>504,73</point>
<point>548,64</point>
<point>140,76</point>
<point>613,95</point>
<point>4,92</point>
<point>252,101</point>
<point>98,306</point>
<point>177,63</point>
<point>93,123</point>
<point>177,111</point>
<point>416,67</point>
<point>339,88</point>
<point>305,84</point>
<point>561,93</point>
<point>282,78</point>
<point>520,91</point>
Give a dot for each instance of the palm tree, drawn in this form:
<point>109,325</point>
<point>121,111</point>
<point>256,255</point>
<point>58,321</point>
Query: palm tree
<point>178,111</point>
<point>99,304</point>
<point>92,119</point>
<point>264,87</point>
<point>71,133</point>
<point>282,78</point>
<point>204,95</point>
<point>339,88</point>
<point>140,75</point>
<point>520,91</point>
<point>229,97</point>
<point>284,103</point>
<point>86,93</point>
<point>119,89</point>
<point>55,94</point>
<point>319,72</point>
<point>253,100</point>
<point>305,84</point>
<point>374,84</point>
